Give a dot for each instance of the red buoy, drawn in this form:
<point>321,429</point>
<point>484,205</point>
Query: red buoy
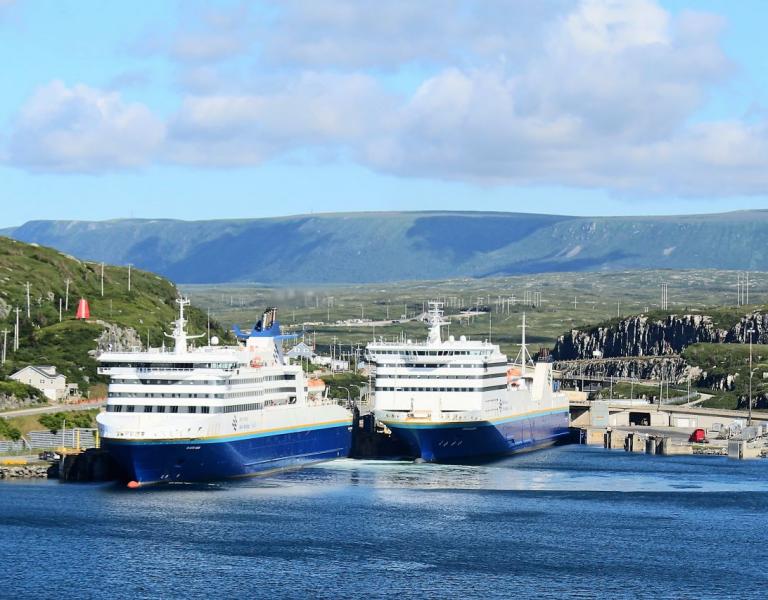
<point>83,311</point>
<point>133,484</point>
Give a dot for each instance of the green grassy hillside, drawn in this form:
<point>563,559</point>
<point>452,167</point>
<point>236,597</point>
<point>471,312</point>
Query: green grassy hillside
<point>148,307</point>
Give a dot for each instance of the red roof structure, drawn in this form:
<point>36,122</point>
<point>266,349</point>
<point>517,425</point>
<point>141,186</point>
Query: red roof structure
<point>83,311</point>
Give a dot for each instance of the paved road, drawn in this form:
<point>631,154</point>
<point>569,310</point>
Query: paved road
<point>702,398</point>
<point>52,409</point>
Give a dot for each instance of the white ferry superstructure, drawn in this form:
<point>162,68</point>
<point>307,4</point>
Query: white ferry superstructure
<point>215,412</point>
<point>460,399</point>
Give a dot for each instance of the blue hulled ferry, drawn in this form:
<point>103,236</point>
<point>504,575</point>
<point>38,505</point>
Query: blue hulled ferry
<point>458,399</point>
<point>214,412</point>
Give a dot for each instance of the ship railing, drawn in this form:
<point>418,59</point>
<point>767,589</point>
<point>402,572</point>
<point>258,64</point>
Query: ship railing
<point>105,370</point>
<point>326,401</point>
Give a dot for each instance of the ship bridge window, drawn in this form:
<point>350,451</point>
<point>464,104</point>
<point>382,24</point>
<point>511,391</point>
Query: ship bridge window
<point>174,409</point>
<point>129,408</point>
<point>192,409</point>
<point>205,409</point>
<point>161,409</point>
<point>147,409</point>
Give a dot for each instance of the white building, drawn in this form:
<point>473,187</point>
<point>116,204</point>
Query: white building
<point>47,380</point>
<point>301,351</point>
<point>334,364</point>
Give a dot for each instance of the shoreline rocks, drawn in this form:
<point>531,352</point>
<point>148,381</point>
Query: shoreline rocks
<point>25,471</point>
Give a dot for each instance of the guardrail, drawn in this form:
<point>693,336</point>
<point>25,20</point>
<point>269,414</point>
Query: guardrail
<point>10,447</point>
<point>68,438</point>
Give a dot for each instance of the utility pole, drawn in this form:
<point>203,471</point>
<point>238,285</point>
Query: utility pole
<point>28,286</point>
<point>60,304</point>
<point>5,344</point>
<point>66,300</point>
<point>17,310</point>
<point>749,419</point>
<point>747,289</point>
<point>490,327</point>
<point>102,280</point>
<point>129,276</point>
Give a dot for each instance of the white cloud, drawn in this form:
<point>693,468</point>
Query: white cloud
<point>201,36</point>
<point>314,110</point>
<point>605,102</point>
<point>82,129</point>
<point>596,93</point>
<point>374,34</point>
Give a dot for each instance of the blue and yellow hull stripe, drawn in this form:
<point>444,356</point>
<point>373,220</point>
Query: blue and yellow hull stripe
<point>215,439</point>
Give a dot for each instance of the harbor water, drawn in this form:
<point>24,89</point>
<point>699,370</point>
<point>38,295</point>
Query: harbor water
<point>569,521</point>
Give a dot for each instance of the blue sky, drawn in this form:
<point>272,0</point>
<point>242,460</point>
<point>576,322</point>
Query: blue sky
<point>237,109</point>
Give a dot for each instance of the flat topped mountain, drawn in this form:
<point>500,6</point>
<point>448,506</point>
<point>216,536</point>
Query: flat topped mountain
<point>391,246</point>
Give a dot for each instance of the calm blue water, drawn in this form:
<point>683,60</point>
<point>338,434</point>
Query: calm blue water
<point>570,521</point>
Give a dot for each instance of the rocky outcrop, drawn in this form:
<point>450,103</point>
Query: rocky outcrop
<point>759,402</point>
<point>718,382</point>
<point>117,339</point>
<point>638,336</point>
<point>672,369</point>
<point>756,322</point>
<point>12,402</point>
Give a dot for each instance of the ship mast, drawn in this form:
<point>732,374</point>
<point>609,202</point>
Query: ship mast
<point>179,334</point>
<point>436,321</point>
<point>523,356</point>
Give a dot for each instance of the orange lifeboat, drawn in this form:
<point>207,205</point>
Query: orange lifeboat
<point>315,385</point>
<point>513,376</point>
